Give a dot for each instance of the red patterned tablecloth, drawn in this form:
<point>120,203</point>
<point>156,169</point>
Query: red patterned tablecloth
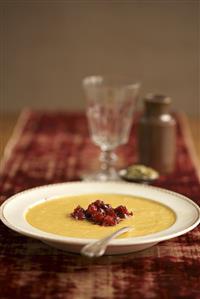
<point>50,147</point>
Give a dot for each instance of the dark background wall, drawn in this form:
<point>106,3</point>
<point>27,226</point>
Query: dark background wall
<point>47,47</point>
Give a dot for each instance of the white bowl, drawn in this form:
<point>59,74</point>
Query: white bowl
<point>12,214</point>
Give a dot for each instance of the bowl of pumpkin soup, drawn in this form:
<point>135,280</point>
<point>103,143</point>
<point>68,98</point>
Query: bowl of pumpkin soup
<point>48,214</point>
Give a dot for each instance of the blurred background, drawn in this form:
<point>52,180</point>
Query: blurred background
<point>47,47</point>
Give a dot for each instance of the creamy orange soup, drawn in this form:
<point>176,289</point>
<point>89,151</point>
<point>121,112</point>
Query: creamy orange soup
<point>53,216</point>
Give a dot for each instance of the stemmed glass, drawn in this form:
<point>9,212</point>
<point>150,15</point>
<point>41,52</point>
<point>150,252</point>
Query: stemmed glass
<point>110,106</point>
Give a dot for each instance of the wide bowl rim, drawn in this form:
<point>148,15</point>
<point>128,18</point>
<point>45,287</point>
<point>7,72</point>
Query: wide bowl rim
<point>153,238</point>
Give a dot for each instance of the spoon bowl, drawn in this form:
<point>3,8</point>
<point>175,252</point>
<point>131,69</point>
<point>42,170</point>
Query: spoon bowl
<point>98,248</point>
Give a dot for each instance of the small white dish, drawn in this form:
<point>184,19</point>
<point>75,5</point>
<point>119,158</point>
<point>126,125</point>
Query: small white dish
<point>12,213</point>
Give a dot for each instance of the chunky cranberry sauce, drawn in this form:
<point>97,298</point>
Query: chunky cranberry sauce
<point>100,213</point>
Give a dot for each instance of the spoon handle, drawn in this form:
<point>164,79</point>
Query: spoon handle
<point>98,248</point>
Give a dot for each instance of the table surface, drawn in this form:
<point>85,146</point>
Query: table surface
<point>8,121</point>
<point>31,269</point>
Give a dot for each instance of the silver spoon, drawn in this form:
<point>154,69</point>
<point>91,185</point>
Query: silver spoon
<point>98,248</point>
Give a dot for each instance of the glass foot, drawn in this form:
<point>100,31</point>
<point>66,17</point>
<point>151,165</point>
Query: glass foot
<point>101,176</point>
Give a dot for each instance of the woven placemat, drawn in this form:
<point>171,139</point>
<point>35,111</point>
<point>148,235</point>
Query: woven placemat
<point>51,147</point>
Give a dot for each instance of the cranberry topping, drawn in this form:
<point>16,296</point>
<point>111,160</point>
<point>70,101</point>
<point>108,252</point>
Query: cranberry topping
<point>79,213</point>
<point>102,214</point>
<point>122,212</point>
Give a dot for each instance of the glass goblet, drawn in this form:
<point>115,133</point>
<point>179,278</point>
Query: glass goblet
<point>110,106</point>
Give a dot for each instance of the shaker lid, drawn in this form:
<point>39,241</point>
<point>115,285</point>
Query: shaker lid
<point>157,99</point>
<point>157,103</point>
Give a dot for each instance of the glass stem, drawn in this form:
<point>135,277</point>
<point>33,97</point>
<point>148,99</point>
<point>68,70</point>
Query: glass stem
<point>107,159</point>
